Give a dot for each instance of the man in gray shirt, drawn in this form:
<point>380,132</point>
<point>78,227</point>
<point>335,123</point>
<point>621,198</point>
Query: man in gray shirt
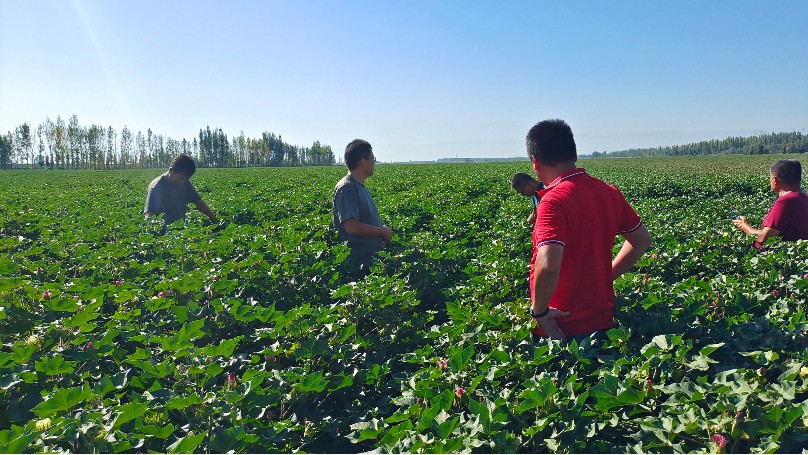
<point>171,192</point>
<point>355,215</point>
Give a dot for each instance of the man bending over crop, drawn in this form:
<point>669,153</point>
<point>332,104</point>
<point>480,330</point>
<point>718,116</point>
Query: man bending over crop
<point>354,212</point>
<point>572,271</point>
<point>788,217</point>
<point>171,192</point>
<point>527,186</point>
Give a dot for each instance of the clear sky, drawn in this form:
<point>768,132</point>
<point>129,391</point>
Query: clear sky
<point>418,79</point>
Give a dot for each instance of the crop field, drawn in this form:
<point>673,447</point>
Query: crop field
<point>253,337</point>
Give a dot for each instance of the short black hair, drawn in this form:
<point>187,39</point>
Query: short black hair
<point>520,178</point>
<point>551,142</point>
<point>788,171</point>
<point>183,164</point>
<point>355,151</point>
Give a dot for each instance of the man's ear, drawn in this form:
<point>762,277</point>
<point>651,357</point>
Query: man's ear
<point>535,163</point>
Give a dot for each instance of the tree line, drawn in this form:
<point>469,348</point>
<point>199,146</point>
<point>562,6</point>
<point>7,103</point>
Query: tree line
<point>69,145</point>
<point>794,142</point>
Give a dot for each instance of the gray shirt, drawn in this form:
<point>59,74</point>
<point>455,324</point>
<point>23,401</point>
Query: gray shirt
<point>169,199</point>
<point>352,200</point>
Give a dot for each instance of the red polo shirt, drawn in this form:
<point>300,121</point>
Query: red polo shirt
<point>583,214</point>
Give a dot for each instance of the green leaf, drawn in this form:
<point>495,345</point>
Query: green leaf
<point>130,411</point>
<point>109,383</point>
<point>8,266</point>
<point>227,440</point>
<point>16,440</point>
<point>224,349</point>
<point>710,348</point>
<point>184,338</point>
<point>183,402</point>
<point>61,304</point>
<point>187,444</point>
<point>62,400</point>
<point>55,365</point>
<point>159,370</point>
<point>80,318</point>
<point>313,382</point>
<point>161,432</point>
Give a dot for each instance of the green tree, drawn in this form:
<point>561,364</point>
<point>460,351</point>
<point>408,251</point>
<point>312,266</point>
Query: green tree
<point>126,158</point>
<point>5,151</point>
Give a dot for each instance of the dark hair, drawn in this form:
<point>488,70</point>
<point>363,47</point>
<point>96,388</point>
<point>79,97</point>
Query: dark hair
<point>355,151</point>
<point>520,178</point>
<point>551,142</point>
<point>183,164</point>
<point>788,171</point>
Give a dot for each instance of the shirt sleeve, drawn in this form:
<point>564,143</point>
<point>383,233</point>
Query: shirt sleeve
<point>154,199</point>
<point>775,215</point>
<point>193,196</point>
<point>629,221</point>
<point>551,223</point>
<point>345,203</point>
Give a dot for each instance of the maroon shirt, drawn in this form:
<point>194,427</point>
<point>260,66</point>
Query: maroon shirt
<point>789,215</point>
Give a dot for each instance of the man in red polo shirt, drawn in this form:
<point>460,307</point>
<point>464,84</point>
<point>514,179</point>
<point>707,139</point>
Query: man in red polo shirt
<point>572,270</point>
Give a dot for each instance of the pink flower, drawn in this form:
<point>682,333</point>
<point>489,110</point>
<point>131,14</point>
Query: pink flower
<point>442,364</point>
<point>719,440</point>
<point>76,297</point>
<point>648,386</point>
<point>163,294</point>
<point>805,276</point>
<point>460,392</point>
<point>775,292</point>
<point>47,294</point>
<point>118,282</point>
<point>654,256</point>
<point>231,379</point>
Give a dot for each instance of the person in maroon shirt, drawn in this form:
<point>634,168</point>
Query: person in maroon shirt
<point>788,217</point>
<point>572,271</point>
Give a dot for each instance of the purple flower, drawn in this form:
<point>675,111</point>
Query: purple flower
<point>118,282</point>
<point>231,379</point>
<point>47,294</point>
<point>719,440</point>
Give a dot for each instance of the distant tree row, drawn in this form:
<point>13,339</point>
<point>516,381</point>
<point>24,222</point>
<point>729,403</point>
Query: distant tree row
<point>60,145</point>
<point>794,142</point>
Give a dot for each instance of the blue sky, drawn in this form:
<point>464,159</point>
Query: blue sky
<point>418,79</point>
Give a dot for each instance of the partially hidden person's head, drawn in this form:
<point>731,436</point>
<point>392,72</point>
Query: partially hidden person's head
<point>525,184</point>
<point>788,174</point>
<point>358,153</point>
<point>182,168</point>
<point>551,143</point>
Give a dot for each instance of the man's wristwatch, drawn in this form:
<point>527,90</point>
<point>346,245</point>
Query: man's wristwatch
<point>537,315</point>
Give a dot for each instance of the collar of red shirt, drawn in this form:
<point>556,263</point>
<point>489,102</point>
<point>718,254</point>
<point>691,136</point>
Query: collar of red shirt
<point>561,178</point>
